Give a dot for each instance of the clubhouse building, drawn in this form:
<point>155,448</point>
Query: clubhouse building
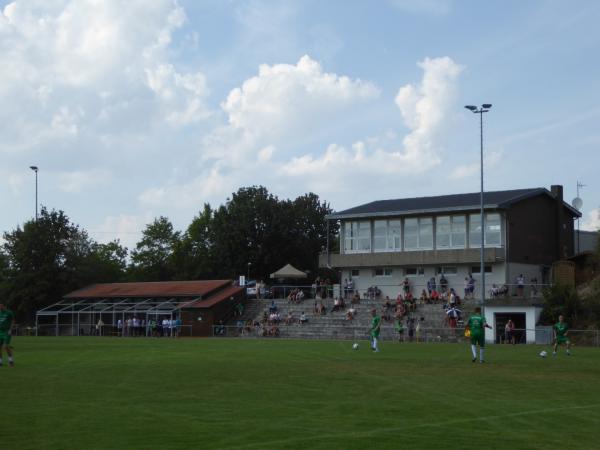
<point>383,242</point>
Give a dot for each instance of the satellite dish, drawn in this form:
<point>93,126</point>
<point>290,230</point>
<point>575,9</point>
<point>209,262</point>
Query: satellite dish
<point>577,203</point>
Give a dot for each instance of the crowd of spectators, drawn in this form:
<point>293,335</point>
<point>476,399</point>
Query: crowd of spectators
<point>155,327</point>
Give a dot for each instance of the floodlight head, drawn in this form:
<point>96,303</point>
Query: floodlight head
<point>471,108</point>
<point>34,168</point>
<point>486,105</point>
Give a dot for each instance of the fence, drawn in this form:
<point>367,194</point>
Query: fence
<point>543,335</point>
<point>87,329</point>
<point>416,289</point>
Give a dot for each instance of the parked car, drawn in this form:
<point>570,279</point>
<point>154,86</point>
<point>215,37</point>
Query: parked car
<point>251,290</point>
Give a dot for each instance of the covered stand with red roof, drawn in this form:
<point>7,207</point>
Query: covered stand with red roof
<point>97,309</point>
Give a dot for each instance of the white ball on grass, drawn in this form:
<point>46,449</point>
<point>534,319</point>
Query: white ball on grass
<point>543,353</point>
<point>355,346</point>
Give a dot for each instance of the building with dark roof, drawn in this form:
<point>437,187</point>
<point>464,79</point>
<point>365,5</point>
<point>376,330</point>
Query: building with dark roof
<point>196,306</point>
<point>383,242</point>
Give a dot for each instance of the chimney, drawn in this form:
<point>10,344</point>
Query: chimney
<point>557,192</point>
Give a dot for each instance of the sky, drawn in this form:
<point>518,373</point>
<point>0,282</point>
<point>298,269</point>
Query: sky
<point>137,109</point>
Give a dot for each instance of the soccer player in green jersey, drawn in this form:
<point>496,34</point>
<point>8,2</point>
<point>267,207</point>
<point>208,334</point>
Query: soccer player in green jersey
<point>375,328</point>
<point>477,326</point>
<point>7,320</point>
<point>561,331</point>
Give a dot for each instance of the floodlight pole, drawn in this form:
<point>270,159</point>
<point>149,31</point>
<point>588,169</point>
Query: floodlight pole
<point>35,169</point>
<point>579,186</point>
<point>483,109</point>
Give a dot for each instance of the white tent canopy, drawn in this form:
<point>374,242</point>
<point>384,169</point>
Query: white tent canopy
<point>288,271</point>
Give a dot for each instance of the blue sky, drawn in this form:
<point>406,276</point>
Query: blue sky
<point>138,109</point>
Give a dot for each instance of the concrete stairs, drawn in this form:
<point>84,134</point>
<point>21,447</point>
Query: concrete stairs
<point>333,325</point>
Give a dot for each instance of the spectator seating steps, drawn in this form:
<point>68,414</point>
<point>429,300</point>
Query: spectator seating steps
<point>333,325</point>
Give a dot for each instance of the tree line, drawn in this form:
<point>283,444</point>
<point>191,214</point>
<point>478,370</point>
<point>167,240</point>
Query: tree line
<point>44,259</point>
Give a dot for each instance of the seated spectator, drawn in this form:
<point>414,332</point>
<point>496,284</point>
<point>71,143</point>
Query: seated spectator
<point>273,307</point>
<point>289,319</point>
<point>350,314</point>
<point>355,299</point>
<point>299,295</point>
<point>303,319</point>
<point>424,297</point>
<point>399,299</point>
<point>400,310</point>
<point>265,317</point>
<point>220,329</point>
<point>337,304</point>
<point>321,309</point>
<point>494,291</point>
<point>435,296</point>
<point>274,331</point>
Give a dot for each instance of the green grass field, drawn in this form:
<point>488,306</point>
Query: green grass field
<point>111,393</point>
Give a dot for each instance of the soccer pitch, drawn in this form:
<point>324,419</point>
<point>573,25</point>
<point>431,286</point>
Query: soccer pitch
<point>112,393</point>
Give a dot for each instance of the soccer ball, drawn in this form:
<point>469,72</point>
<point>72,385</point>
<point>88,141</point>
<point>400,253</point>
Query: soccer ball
<point>355,346</point>
<point>543,353</point>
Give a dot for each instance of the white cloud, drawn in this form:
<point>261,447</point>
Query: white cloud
<point>424,109</point>
<point>286,98</point>
<point>80,180</point>
<point>592,223</point>
<point>283,101</point>
<point>68,65</point>
<point>127,228</point>
<point>490,160</point>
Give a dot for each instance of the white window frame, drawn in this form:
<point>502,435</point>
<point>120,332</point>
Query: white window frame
<point>354,240</point>
<point>485,234</point>
<point>388,236</point>
<point>419,246</point>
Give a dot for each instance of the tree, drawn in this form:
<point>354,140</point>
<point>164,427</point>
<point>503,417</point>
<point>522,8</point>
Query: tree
<point>152,258</point>
<point>309,230</point>
<point>43,257</point>
<point>247,229</point>
<point>105,263</point>
<point>192,255</point>
<point>256,227</point>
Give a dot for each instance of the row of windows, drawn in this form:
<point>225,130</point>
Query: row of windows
<point>450,232</point>
<point>418,271</point>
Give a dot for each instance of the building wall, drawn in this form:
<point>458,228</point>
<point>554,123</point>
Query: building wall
<point>532,314</point>
<point>537,234</point>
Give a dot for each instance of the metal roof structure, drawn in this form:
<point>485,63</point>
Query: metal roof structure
<point>110,302</point>
<point>443,203</point>
<point>197,288</point>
